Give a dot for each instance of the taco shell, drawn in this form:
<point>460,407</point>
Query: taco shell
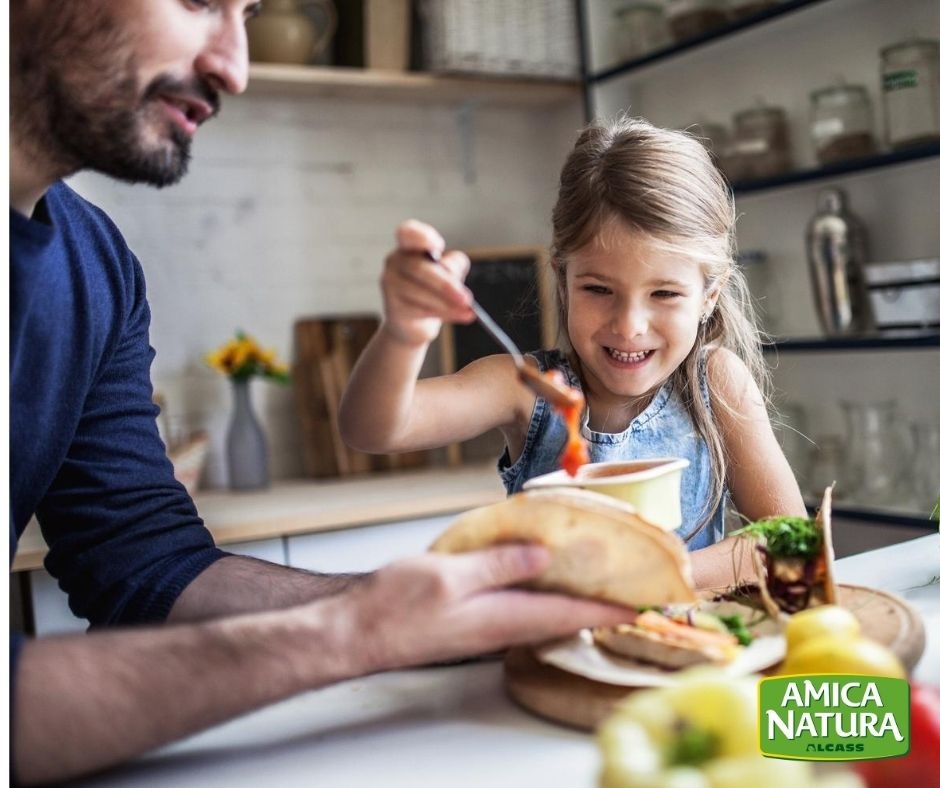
<point>601,548</point>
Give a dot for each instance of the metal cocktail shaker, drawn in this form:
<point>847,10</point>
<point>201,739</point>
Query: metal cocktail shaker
<point>836,247</point>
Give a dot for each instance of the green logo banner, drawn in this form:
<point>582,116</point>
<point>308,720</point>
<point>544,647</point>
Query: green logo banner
<point>834,717</point>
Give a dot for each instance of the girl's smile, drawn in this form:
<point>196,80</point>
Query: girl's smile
<point>634,311</point>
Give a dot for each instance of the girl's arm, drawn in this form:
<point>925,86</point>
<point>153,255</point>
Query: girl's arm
<point>759,476</point>
<point>760,479</point>
<point>385,407</point>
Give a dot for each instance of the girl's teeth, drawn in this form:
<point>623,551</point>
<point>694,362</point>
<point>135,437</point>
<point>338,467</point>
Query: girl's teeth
<point>631,358</point>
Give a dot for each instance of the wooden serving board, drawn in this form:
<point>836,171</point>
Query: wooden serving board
<point>582,703</point>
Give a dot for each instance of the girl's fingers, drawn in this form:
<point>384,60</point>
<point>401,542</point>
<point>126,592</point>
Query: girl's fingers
<point>457,263</point>
<point>433,277</point>
<point>415,236</point>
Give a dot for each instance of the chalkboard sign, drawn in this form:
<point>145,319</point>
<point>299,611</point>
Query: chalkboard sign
<point>513,284</point>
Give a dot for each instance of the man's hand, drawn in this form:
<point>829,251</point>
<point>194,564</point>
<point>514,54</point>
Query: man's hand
<point>437,607</point>
<point>419,293</point>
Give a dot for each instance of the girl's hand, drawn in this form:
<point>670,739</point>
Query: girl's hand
<point>419,293</point>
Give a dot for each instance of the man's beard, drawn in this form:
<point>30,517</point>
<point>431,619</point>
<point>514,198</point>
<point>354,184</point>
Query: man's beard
<point>76,100</point>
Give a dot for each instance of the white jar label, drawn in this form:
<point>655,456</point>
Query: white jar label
<point>827,127</point>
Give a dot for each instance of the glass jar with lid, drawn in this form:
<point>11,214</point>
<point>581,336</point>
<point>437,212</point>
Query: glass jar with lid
<point>694,18</point>
<point>714,136</point>
<point>841,123</point>
<point>638,28</point>
<point>740,9</point>
<point>910,85</point>
<point>761,144</point>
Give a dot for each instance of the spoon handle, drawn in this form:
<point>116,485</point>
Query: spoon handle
<point>491,326</point>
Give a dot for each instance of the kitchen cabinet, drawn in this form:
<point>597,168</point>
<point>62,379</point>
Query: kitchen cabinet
<point>366,548</point>
<point>352,524</point>
<point>781,55</point>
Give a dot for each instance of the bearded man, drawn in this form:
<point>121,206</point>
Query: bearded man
<point>121,87</point>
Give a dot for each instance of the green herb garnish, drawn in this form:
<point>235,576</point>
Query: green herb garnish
<point>791,537</point>
<point>691,746</point>
<point>737,628</point>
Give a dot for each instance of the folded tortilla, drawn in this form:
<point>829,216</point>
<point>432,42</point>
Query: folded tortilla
<point>601,548</point>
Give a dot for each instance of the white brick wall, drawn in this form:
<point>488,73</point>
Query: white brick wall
<point>288,211</point>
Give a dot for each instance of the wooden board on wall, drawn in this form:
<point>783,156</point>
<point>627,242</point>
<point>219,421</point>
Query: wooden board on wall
<point>515,285</point>
<point>326,351</point>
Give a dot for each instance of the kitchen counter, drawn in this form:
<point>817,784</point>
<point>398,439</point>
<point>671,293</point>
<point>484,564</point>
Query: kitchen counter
<point>309,506</point>
<point>452,725</point>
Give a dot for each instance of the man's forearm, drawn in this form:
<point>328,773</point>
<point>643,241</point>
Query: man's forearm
<point>236,584</point>
<point>105,697</point>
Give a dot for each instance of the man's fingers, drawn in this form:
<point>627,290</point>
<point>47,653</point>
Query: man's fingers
<point>497,567</point>
<point>518,616</point>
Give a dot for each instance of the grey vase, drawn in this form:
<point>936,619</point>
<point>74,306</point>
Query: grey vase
<point>246,448</point>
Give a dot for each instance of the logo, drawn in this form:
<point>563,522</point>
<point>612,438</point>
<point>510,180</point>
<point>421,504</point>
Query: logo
<point>834,717</point>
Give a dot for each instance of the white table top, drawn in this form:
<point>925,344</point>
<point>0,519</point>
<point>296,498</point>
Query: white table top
<point>454,725</point>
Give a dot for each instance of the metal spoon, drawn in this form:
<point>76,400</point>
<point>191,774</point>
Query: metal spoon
<point>556,394</point>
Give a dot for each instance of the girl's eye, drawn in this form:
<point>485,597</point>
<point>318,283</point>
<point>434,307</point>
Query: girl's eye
<point>599,289</point>
<point>666,294</point>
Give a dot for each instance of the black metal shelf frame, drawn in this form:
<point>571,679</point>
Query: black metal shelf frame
<point>731,29</point>
<point>880,516</point>
<point>822,344</point>
<point>842,168</point>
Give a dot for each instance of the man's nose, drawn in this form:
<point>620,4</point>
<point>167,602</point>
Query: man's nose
<point>223,62</point>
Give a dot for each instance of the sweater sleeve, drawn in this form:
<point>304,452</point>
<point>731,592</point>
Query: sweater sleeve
<point>124,536</point>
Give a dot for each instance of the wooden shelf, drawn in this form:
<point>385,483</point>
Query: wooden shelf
<point>822,344</point>
<point>357,83</point>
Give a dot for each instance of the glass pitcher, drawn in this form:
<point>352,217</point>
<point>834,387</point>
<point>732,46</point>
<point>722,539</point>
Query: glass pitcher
<point>925,466</point>
<point>874,455</point>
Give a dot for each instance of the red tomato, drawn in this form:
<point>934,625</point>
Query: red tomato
<point>920,768</point>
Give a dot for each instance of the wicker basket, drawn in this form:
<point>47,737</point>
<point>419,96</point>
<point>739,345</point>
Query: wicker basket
<point>188,460</point>
<point>518,38</point>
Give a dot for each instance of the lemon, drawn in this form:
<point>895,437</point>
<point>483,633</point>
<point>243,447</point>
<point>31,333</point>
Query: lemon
<point>820,621</point>
<point>839,654</point>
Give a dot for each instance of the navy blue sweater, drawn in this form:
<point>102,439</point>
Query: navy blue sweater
<point>85,457</point>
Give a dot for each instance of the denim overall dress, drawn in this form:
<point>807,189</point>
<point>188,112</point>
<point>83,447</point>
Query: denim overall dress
<point>663,429</point>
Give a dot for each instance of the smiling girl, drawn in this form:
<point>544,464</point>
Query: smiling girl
<point>657,331</point>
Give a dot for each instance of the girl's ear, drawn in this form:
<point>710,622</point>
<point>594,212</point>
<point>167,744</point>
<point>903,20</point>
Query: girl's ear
<point>561,282</point>
<point>711,295</point>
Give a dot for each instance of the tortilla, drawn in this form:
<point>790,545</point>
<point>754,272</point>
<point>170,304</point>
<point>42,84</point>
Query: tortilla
<point>828,557</point>
<point>817,571</point>
<point>601,548</point>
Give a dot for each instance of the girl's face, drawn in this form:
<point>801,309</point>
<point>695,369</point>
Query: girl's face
<point>633,312</point>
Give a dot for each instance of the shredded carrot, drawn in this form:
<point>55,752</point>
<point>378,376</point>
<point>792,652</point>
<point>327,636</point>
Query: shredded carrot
<point>652,621</point>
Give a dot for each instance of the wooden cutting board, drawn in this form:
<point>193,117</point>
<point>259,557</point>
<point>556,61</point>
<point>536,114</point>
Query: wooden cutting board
<point>582,703</point>
<point>326,351</point>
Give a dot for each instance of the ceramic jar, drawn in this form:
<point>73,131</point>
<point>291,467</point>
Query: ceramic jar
<point>284,33</point>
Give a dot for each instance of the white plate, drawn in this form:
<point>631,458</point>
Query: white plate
<point>581,656</point>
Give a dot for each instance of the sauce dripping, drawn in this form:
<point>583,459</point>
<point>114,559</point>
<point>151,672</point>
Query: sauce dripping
<point>575,454</point>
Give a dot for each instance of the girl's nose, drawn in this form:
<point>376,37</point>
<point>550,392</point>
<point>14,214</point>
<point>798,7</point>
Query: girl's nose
<point>630,321</point>
<point>223,62</point>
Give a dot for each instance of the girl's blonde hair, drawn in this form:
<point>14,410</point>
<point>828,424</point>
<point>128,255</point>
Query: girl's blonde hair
<point>663,184</point>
